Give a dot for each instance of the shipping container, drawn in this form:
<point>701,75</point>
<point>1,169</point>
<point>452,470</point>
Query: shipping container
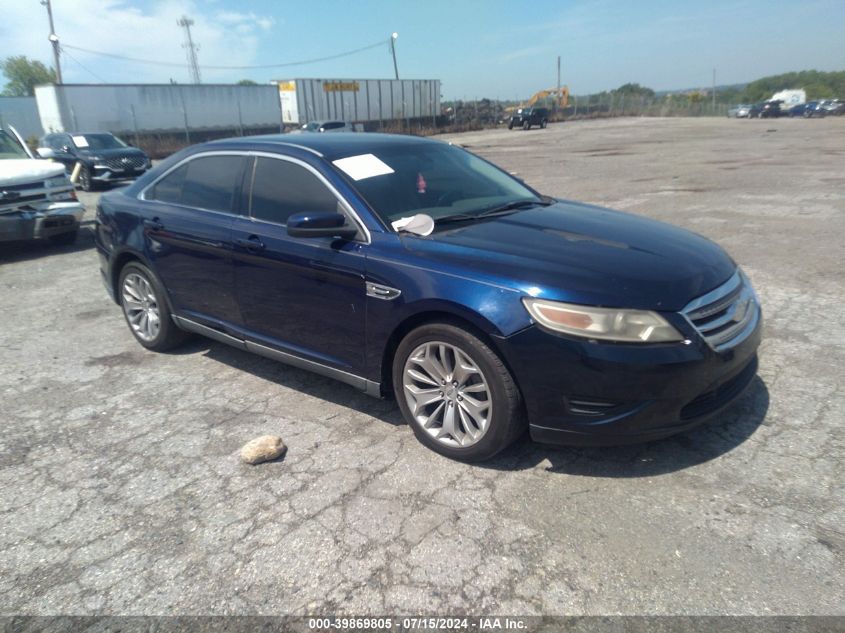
<point>22,114</point>
<point>157,108</point>
<point>358,100</point>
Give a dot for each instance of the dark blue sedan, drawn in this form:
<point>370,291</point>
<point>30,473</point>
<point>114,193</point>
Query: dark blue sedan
<point>412,268</point>
<point>807,110</point>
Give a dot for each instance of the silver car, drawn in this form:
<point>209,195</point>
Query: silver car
<point>327,126</point>
<point>741,111</point>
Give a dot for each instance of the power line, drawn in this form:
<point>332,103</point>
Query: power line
<point>85,68</point>
<point>256,67</point>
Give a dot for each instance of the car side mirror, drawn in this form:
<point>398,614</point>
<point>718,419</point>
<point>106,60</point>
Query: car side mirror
<point>320,225</point>
<point>45,152</point>
<point>66,149</point>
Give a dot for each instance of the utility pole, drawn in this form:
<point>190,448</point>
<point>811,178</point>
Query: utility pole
<point>558,74</point>
<point>714,91</point>
<point>393,50</point>
<point>54,40</point>
<point>191,48</point>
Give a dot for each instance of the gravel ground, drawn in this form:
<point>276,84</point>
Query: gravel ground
<point>121,491</point>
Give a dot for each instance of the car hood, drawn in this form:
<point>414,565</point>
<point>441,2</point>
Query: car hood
<point>583,254</point>
<point>19,171</point>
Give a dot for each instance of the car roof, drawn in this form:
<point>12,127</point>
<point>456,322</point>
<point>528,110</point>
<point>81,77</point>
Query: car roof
<point>333,146</point>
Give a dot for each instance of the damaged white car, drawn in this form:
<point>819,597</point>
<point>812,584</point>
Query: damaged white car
<point>37,200</point>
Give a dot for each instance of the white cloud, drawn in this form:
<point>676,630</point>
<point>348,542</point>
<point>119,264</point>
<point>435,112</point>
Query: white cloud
<point>225,38</point>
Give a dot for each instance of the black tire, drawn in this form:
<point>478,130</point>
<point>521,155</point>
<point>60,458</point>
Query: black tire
<point>169,335</point>
<point>85,182</point>
<point>543,125</point>
<point>510,125</point>
<point>508,420</point>
<point>65,239</point>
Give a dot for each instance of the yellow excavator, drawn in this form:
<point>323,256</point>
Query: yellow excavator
<point>559,97</point>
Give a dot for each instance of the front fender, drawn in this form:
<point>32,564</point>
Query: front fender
<point>494,310</point>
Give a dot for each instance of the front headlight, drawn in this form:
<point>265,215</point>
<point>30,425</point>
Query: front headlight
<point>609,324</point>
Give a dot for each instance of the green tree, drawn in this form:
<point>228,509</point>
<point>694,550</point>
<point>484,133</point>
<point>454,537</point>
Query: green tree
<point>23,75</point>
<point>247,82</point>
<point>632,89</point>
<point>818,85</point>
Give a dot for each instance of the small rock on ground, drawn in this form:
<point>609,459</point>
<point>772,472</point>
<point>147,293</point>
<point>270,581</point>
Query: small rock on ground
<point>263,449</point>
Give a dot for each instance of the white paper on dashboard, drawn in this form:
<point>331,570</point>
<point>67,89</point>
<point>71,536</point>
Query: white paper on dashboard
<point>80,141</point>
<point>363,166</point>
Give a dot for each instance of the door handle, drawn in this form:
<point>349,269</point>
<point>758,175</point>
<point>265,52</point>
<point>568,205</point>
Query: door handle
<point>252,243</point>
<point>154,225</point>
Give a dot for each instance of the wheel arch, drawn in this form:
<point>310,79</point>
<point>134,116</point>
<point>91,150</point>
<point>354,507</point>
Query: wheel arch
<point>476,325</point>
<point>128,256</point>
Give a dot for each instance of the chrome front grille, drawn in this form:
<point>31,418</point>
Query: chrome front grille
<point>726,315</point>
<point>126,162</point>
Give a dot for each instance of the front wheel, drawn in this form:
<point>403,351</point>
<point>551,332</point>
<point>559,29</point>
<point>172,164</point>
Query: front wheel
<point>145,308</point>
<point>85,181</point>
<point>455,392</point>
<point>510,125</point>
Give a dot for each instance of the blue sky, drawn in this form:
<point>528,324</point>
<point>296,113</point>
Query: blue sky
<point>477,48</point>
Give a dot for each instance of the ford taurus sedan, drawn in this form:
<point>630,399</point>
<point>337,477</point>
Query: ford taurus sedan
<point>412,268</point>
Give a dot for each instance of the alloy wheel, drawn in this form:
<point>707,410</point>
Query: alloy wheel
<point>141,307</point>
<point>447,394</point>
<point>85,179</point>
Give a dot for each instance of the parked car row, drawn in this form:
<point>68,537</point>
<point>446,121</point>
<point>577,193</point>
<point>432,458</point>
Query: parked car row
<point>775,108</point>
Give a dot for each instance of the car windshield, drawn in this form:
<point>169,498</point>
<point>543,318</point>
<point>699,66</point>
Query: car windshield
<point>97,141</point>
<point>436,179</point>
<point>9,147</point>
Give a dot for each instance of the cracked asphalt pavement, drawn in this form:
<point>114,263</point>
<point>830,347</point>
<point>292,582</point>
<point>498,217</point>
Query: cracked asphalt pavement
<point>121,490</point>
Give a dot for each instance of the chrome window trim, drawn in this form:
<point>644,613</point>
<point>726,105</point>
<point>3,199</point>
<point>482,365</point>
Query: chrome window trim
<point>303,147</point>
<point>296,161</point>
<point>142,195</point>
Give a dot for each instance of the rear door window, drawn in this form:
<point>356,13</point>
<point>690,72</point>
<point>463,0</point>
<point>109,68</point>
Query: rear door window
<point>208,182</point>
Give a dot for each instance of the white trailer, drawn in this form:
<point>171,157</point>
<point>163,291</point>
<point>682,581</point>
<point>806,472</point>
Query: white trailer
<point>157,108</point>
<point>358,100</point>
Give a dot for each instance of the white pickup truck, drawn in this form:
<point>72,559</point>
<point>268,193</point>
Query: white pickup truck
<point>37,200</point>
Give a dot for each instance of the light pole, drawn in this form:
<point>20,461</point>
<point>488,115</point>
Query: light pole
<point>54,40</point>
<point>393,50</point>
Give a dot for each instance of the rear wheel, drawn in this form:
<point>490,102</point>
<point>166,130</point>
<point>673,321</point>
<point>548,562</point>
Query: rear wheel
<point>455,392</point>
<point>145,308</point>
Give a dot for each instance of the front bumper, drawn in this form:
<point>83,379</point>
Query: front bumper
<point>586,393</point>
<point>41,222</point>
<point>104,173</point>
